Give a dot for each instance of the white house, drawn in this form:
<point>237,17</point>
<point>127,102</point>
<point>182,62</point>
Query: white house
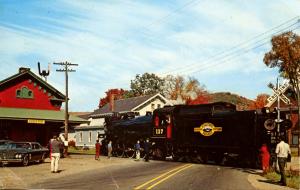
<point>87,134</point>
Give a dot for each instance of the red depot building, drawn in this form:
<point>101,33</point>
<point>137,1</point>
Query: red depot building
<point>30,108</point>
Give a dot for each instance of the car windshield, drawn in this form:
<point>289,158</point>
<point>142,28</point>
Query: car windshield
<point>20,145</point>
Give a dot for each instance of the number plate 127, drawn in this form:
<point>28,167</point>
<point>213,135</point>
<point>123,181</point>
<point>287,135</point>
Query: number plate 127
<point>159,132</point>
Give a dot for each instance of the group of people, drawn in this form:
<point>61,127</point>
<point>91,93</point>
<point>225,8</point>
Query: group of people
<point>282,151</point>
<point>137,148</point>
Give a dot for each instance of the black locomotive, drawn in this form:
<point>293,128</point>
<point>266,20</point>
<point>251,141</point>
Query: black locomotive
<point>199,133</point>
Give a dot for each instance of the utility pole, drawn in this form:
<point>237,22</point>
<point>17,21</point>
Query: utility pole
<point>66,69</point>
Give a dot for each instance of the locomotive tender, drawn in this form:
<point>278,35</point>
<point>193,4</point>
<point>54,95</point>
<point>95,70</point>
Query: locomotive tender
<point>199,133</point>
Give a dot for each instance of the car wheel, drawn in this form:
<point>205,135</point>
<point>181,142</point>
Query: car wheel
<point>25,161</point>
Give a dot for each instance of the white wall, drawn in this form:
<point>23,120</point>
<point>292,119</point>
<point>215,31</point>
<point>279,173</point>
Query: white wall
<point>86,137</point>
<point>149,107</point>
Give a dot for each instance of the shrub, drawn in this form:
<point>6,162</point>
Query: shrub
<point>71,143</point>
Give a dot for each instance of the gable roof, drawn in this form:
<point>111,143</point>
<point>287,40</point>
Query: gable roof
<point>129,104</point>
<point>23,72</point>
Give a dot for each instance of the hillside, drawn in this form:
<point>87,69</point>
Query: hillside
<point>241,102</point>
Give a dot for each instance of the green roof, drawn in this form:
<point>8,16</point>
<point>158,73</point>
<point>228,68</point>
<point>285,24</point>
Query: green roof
<point>47,115</point>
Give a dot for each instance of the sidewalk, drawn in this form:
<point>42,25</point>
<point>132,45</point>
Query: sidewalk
<point>262,183</point>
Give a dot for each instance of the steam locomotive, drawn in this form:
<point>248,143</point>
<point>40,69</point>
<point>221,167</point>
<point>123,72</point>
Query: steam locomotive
<point>199,133</point>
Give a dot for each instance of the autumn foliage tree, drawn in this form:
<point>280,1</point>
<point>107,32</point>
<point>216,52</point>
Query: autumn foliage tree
<point>187,90</point>
<point>202,98</point>
<point>118,94</point>
<point>259,102</point>
<point>285,55</point>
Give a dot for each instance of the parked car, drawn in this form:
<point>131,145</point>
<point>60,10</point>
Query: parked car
<point>22,152</point>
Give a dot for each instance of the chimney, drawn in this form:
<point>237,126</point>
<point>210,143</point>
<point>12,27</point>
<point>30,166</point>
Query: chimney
<point>23,69</point>
<point>112,102</point>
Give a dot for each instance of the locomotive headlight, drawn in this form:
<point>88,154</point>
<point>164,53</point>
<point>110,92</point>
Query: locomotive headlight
<point>18,155</point>
<point>269,124</point>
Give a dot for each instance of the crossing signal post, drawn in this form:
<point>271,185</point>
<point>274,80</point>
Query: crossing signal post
<point>278,95</point>
<point>66,70</point>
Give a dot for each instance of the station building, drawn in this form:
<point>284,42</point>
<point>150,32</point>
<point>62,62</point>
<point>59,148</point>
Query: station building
<point>30,109</point>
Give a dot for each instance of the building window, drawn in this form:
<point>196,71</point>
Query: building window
<point>152,106</point>
<point>80,137</point>
<point>295,139</point>
<point>158,105</point>
<point>90,136</point>
<point>24,92</point>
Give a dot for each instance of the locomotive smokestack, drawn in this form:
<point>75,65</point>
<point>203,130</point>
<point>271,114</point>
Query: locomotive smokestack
<point>112,102</point>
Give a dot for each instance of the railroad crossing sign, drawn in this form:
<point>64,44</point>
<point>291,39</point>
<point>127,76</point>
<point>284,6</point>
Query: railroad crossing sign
<point>279,93</point>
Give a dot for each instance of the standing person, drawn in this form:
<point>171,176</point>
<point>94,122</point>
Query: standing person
<point>109,149</point>
<point>55,154</point>
<point>97,150</point>
<point>282,151</point>
<point>137,150</point>
<point>147,146</point>
<point>265,158</point>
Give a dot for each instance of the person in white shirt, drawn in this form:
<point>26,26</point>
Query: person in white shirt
<point>282,151</point>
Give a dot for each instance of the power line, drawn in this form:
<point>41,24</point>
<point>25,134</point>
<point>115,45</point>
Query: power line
<point>231,57</point>
<point>238,48</point>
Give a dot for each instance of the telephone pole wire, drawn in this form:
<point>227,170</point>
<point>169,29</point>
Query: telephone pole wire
<point>66,69</point>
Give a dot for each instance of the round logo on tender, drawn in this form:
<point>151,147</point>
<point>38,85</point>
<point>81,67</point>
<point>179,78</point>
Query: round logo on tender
<point>207,129</point>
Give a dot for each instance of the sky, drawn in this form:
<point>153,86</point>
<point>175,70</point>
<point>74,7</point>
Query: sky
<point>219,42</point>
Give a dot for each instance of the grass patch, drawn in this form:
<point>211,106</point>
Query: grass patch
<point>73,150</point>
<point>291,180</point>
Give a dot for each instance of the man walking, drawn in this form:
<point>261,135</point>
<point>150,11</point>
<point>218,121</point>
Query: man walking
<point>109,150</point>
<point>137,150</point>
<point>147,146</point>
<point>55,154</point>
<point>282,151</point>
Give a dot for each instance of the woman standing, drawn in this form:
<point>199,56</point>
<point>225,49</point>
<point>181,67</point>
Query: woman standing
<point>97,150</point>
<point>265,158</point>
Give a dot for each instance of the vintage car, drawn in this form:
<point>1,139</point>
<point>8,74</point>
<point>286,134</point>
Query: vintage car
<point>22,152</point>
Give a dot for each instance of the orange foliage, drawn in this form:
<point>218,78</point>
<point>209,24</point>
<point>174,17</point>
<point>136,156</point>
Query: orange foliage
<point>260,102</point>
<point>118,94</point>
<point>202,98</point>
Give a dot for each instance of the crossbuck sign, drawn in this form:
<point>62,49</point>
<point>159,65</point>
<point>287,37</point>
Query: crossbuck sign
<point>279,93</point>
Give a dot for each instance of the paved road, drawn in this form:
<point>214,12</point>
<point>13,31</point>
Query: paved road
<point>154,175</point>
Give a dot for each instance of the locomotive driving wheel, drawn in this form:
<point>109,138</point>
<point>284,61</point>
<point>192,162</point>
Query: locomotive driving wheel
<point>120,150</point>
<point>130,152</point>
<point>159,154</point>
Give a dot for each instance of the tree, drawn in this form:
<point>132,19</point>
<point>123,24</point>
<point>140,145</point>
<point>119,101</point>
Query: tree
<point>259,102</point>
<point>146,84</point>
<point>118,94</point>
<point>188,90</point>
<point>285,54</point>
